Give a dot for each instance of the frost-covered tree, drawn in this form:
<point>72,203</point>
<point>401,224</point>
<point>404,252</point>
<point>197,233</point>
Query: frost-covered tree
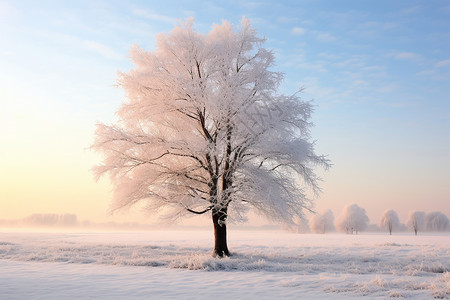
<point>389,220</point>
<point>205,130</point>
<point>416,221</point>
<point>436,221</point>
<point>323,222</point>
<point>352,219</point>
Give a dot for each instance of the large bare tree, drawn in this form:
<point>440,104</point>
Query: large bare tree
<point>205,130</point>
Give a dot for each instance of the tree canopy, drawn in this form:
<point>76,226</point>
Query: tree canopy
<point>389,220</point>
<point>352,219</point>
<point>205,129</point>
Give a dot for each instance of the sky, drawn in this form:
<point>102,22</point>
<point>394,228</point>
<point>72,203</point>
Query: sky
<point>378,72</point>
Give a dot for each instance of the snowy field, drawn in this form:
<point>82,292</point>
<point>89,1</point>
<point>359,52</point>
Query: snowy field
<point>264,265</point>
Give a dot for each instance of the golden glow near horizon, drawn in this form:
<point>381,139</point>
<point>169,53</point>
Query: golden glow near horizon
<point>44,162</point>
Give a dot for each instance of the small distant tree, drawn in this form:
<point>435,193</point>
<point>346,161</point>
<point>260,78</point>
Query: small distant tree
<point>205,130</point>
<point>436,221</point>
<point>322,223</point>
<point>416,221</point>
<point>389,220</point>
<point>352,220</point>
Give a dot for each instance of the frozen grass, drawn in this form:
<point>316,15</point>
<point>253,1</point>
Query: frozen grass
<point>263,265</point>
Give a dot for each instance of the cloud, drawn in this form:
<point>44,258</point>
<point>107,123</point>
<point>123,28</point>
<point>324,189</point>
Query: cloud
<point>102,49</point>
<point>251,5</point>
<point>445,9</point>
<point>426,72</point>
<point>371,29</point>
<point>325,37</point>
<point>189,13</point>
<point>374,68</point>
<point>298,31</point>
<point>328,56</point>
<point>153,16</point>
<point>443,63</point>
<point>7,53</point>
<point>299,60</point>
<point>354,61</point>
<point>389,25</point>
<point>7,10</point>
<point>359,83</point>
<point>387,88</point>
<point>407,56</point>
<point>410,10</point>
<point>284,19</point>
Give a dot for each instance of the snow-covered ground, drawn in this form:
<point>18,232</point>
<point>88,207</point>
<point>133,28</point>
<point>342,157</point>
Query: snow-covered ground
<point>264,265</point>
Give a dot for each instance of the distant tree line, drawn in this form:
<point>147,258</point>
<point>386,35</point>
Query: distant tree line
<point>353,219</point>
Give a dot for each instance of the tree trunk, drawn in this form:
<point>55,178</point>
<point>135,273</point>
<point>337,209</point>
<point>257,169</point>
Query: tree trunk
<point>220,233</point>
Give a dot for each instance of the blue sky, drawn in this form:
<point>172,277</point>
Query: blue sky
<point>378,71</point>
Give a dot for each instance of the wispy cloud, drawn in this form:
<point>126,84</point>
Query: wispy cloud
<point>389,25</point>
<point>410,10</point>
<point>359,83</point>
<point>328,56</point>
<point>407,56</point>
<point>7,10</point>
<point>371,29</point>
<point>325,37</point>
<point>426,73</point>
<point>251,4</point>
<point>6,53</point>
<point>298,31</point>
<point>153,16</point>
<point>445,9</point>
<point>286,20</point>
<point>189,13</point>
<point>387,88</point>
<point>443,63</point>
<point>354,61</point>
<point>374,68</point>
<point>102,49</point>
<point>300,61</point>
